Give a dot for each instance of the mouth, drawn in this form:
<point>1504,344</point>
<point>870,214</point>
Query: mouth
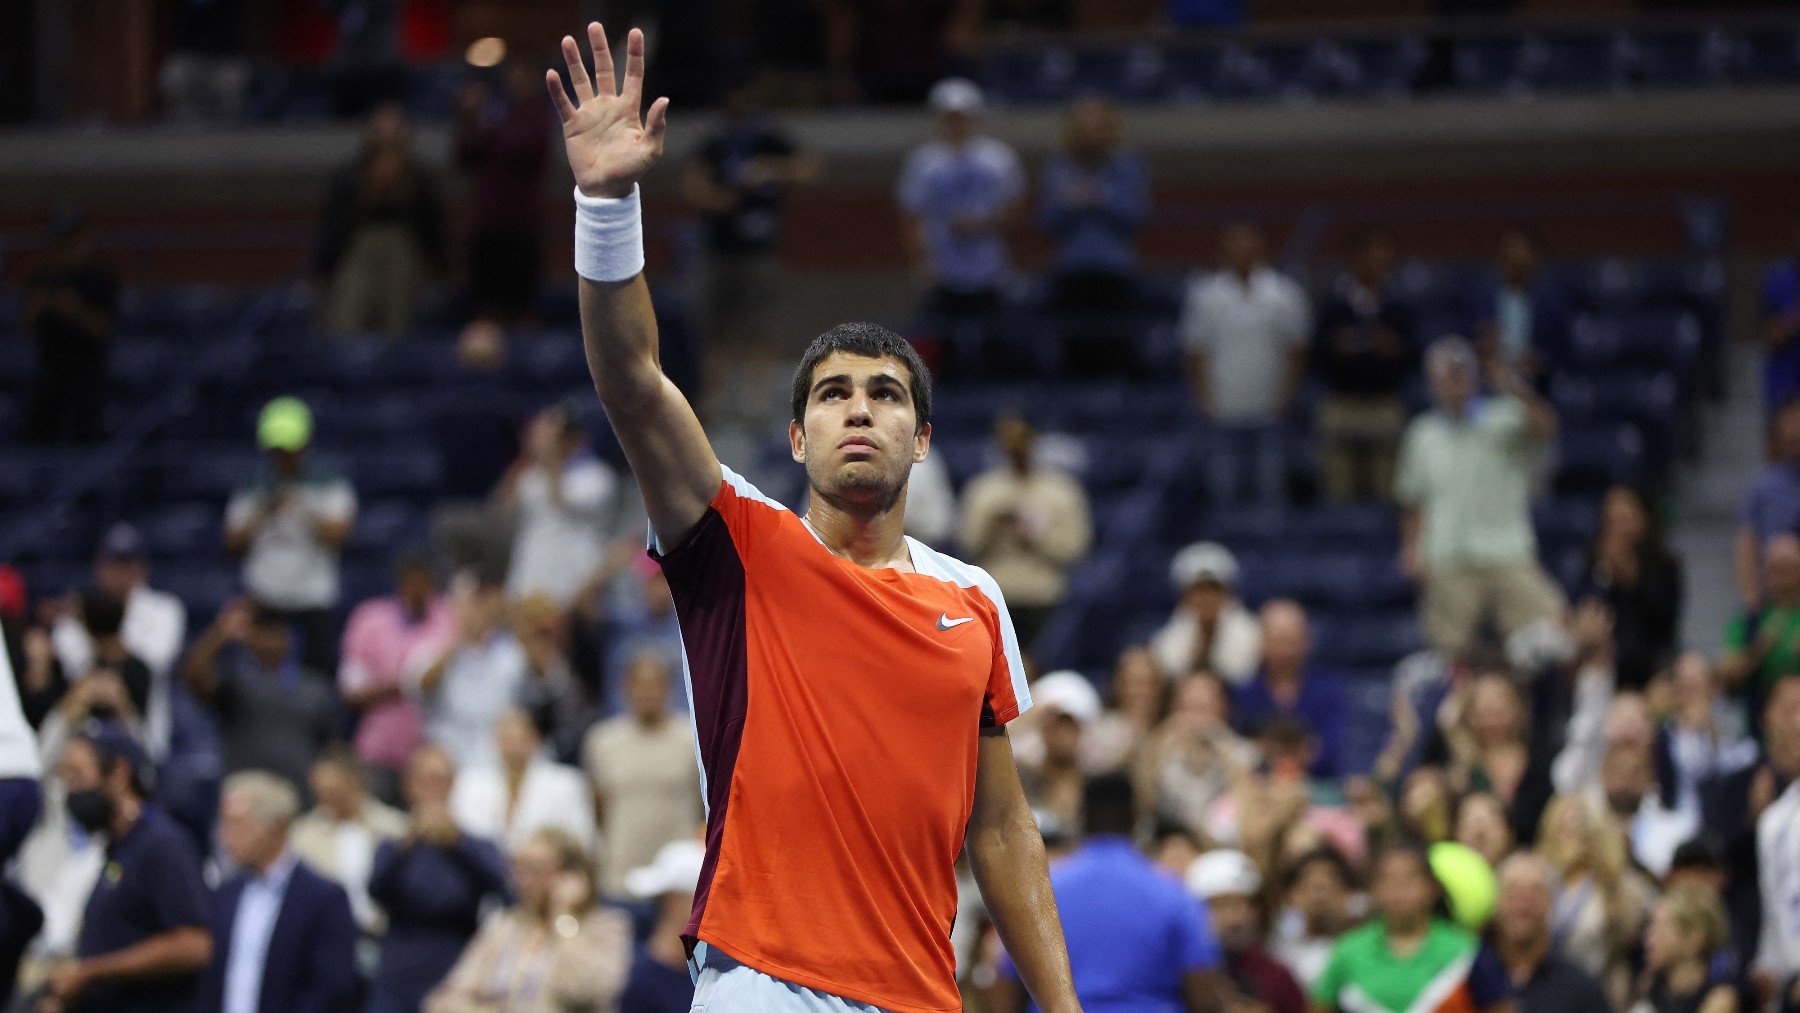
<point>857,446</point>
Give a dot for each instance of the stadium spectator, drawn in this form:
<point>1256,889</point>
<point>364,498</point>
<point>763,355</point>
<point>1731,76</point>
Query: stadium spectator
<point>524,792</point>
<point>503,143</point>
<point>640,766</point>
<point>1194,756</point>
<point>738,180</point>
<point>1631,569</point>
<point>1320,889</point>
<point>562,493</point>
<point>273,712</point>
<point>551,694</point>
<point>1135,936</point>
<point>1137,699</point>
<point>466,681</point>
<point>1485,743</point>
<point>338,838</point>
<point>1700,738</point>
<point>1543,980</point>
<point>1365,352</point>
<point>931,503</point>
<point>59,862</point>
<point>1094,196</point>
<point>1409,951</point>
<point>476,424</point>
<point>381,635</point>
<point>1773,804</point>
<point>1481,824</point>
<point>108,661</point>
<point>206,73</point>
<point>1772,508</point>
<point>70,309</point>
<point>1065,706</point>
<point>1028,525</point>
<point>1244,330</point>
<point>1230,885</point>
<point>1289,685</point>
<point>640,620</point>
<point>1601,906</point>
<point>290,522</point>
<point>154,626</point>
<point>957,194</point>
<point>1763,645</point>
<point>432,884</point>
<point>1685,933</point>
<point>1528,326</point>
<point>285,937</point>
<point>145,938</point>
<point>1209,629</point>
<point>659,981</point>
<point>555,949</point>
<point>1465,481</point>
<point>380,232</point>
<point>1781,333</point>
<point>1628,784</point>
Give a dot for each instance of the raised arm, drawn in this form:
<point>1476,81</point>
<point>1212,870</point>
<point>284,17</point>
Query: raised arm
<point>610,149</point>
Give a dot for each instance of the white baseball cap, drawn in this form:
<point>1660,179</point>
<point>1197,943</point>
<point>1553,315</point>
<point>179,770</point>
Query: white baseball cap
<point>1223,873</point>
<point>1069,692</point>
<point>1203,561</point>
<point>675,869</point>
<point>956,95</point>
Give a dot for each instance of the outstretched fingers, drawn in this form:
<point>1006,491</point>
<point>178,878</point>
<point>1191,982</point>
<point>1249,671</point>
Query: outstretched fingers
<point>603,61</point>
<point>633,91</point>
<point>578,77</point>
<point>559,98</point>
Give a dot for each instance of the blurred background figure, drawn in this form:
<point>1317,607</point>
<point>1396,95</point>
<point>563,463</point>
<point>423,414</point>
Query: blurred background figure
<point>69,309</point>
<point>1230,884</point>
<point>1631,569</point>
<point>659,981</point>
<point>339,836</point>
<point>1093,197</point>
<point>646,790</point>
<point>467,680</point>
<point>503,143</point>
<point>1244,330</point>
<point>524,792</point>
<point>1210,629</point>
<point>1365,352</point>
<point>562,493</point>
<point>1543,980</point>
<point>1528,331</point>
<point>382,230</point>
<point>1772,506</point>
<point>380,637</point>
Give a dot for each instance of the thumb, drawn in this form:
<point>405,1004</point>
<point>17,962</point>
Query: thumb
<point>656,121</point>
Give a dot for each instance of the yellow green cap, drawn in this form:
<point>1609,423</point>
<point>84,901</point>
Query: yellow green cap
<point>285,424</point>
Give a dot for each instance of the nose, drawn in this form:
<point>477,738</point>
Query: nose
<point>860,413</point>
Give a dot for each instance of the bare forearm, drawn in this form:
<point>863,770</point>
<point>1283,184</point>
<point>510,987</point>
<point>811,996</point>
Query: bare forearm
<point>618,330</point>
<point>1749,574</point>
<point>182,951</point>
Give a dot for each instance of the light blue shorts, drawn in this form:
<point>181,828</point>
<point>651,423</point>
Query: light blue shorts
<point>722,985</point>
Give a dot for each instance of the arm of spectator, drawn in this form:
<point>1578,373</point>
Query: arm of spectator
<point>1540,416</point>
<point>245,515</point>
<point>1006,854</point>
<point>201,673</point>
<point>590,967</point>
<point>1747,564</point>
<point>464,989</point>
<point>355,680</point>
<point>334,515</point>
<point>1403,734</point>
<point>179,951</point>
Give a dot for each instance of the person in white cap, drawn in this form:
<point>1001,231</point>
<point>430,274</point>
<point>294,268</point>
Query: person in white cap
<point>957,194</point>
<point>1069,705</point>
<point>659,980</point>
<point>1229,883</point>
<point>1210,629</point>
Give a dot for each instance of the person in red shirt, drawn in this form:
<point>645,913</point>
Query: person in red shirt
<point>849,685</point>
<point>1229,882</point>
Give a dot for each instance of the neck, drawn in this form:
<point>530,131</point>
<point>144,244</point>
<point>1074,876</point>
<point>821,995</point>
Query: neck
<point>515,769</point>
<point>872,536</point>
<point>651,719</point>
<point>261,868</point>
<point>1408,929</point>
<point>346,813</point>
<point>1522,956</point>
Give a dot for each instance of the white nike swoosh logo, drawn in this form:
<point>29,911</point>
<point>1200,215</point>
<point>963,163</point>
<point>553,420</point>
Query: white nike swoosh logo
<point>947,623</point>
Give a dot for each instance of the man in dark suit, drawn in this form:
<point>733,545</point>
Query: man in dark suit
<point>286,937</point>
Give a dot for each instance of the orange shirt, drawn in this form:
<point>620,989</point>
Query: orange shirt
<point>837,711</point>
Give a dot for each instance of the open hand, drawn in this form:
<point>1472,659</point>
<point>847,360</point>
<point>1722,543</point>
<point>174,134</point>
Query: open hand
<point>609,147</point>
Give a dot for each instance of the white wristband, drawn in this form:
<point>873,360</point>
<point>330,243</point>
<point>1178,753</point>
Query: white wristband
<point>609,237</point>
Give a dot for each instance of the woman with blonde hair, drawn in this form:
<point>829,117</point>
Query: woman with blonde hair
<point>555,951</point>
<point>1603,903</point>
<point>1686,930</point>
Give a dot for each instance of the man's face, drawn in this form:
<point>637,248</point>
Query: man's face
<point>1452,387</point>
<point>1207,598</point>
<point>248,841</point>
<point>1284,635</point>
<point>335,788</point>
<point>1241,248</point>
<point>1518,257</point>
<point>285,462</point>
<point>1375,259</point>
<point>415,586</point>
<point>646,687</point>
<point>956,127</point>
<point>268,641</point>
<point>1062,738</point>
<point>1522,910</point>
<point>860,435</point>
<point>1319,894</point>
<point>1626,775</point>
<point>1234,920</point>
<point>516,738</point>
<point>429,778</point>
<point>116,575</point>
<point>79,767</point>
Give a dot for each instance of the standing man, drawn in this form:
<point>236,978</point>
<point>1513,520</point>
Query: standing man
<point>1245,330</point>
<point>1465,483</point>
<point>144,936</point>
<point>1137,940</point>
<point>287,939</point>
<point>850,686</point>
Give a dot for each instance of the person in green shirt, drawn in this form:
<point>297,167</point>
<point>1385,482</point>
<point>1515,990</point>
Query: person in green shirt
<point>1762,647</point>
<point>1410,958</point>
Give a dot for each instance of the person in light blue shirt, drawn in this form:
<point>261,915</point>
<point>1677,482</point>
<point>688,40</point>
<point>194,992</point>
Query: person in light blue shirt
<point>1138,941</point>
<point>1094,196</point>
<point>957,194</point>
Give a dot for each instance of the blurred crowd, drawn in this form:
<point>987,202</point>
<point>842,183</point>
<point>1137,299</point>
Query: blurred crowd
<point>479,791</point>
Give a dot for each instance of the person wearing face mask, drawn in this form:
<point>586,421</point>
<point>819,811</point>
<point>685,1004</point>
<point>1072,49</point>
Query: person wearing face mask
<point>144,940</point>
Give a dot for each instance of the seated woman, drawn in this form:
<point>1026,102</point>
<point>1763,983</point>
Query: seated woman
<point>1686,930</point>
<point>553,950</point>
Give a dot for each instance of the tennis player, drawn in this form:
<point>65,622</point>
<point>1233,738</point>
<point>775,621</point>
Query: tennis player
<point>850,686</point>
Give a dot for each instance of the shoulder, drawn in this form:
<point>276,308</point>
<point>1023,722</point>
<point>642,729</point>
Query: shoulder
<point>930,562</point>
<point>995,152</point>
<point>1357,942</point>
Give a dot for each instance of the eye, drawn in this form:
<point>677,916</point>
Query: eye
<point>887,395</point>
<point>831,394</point>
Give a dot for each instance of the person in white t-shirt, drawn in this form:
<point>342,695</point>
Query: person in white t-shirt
<point>1245,330</point>
<point>524,792</point>
<point>562,493</point>
<point>154,628</point>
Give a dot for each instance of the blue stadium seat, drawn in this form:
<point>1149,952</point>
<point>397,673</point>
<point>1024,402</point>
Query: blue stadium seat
<point>1592,458</point>
<point>184,531</point>
<point>202,586</point>
<point>207,473</point>
<point>394,470</point>
<point>387,526</point>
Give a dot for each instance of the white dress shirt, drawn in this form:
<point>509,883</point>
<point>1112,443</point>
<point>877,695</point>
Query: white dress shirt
<point>551,795</point>
<point>251,931</point>
<point>1246,330</point>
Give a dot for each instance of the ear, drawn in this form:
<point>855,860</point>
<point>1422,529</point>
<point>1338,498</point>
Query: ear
<point>922,443</point>
<point>797,441</point>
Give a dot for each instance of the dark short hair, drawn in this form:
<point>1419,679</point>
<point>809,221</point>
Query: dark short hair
<point>1328,855</point>
<point>1705,852</point>
<point>873,341</point>
<point>102,614</point>
<point>1109,804</point>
